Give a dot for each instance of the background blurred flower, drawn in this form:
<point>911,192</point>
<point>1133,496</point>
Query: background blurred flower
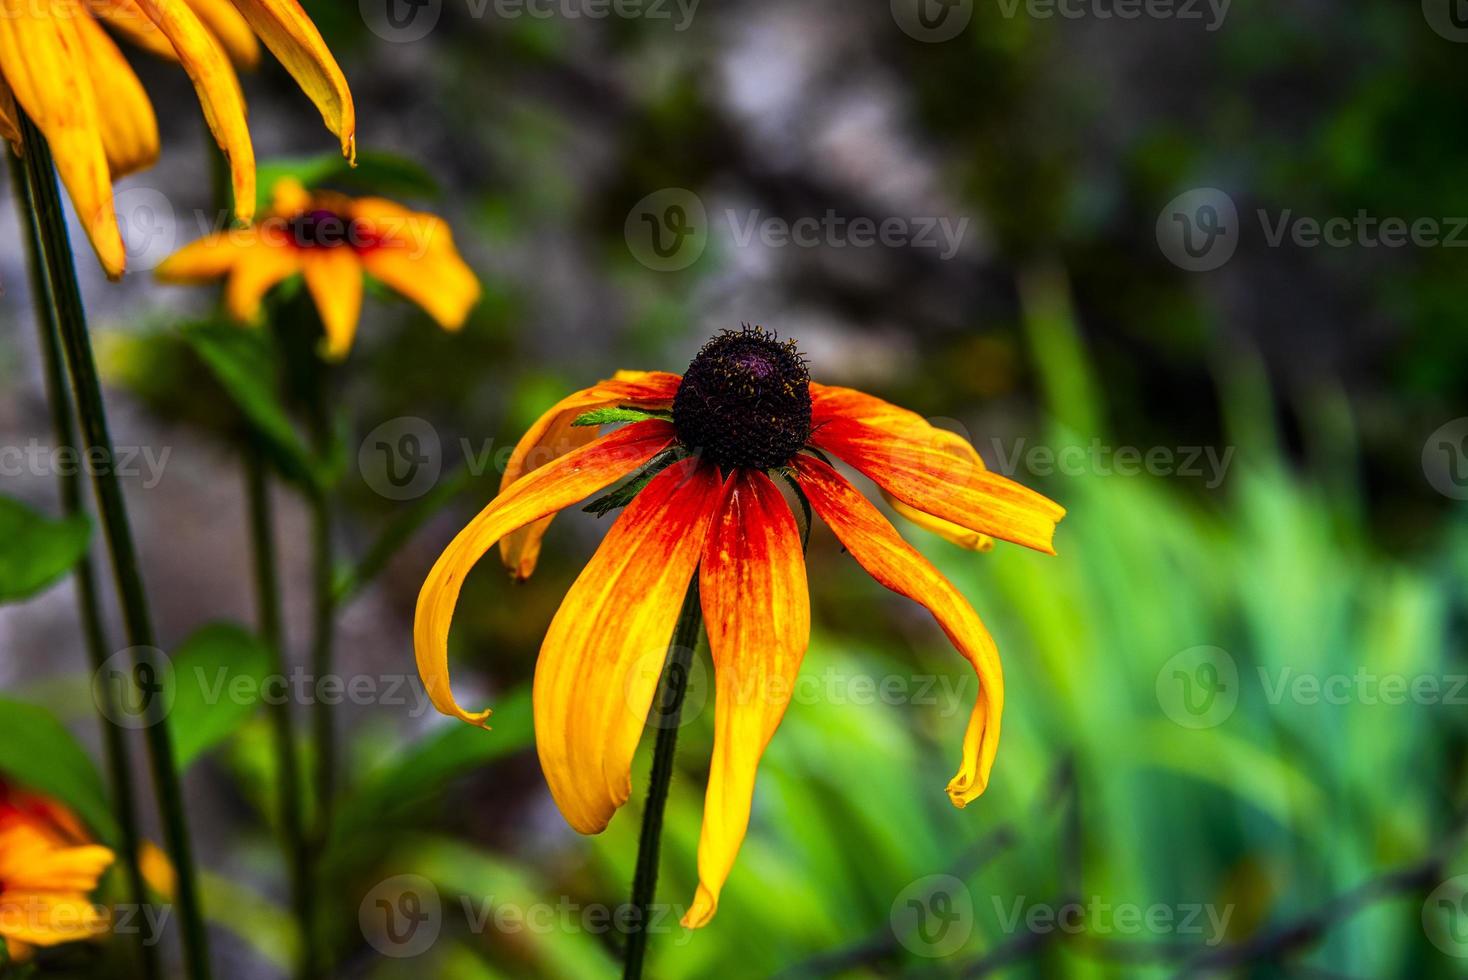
<point>48,867</point>
<point>332,240</point>
<point>69,77</point>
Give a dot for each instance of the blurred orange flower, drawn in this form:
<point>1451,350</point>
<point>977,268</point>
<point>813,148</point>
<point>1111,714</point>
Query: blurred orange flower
<point>333,240</point>
<point>745,416</point>
<point>71,79</point>
<point>48,867</point>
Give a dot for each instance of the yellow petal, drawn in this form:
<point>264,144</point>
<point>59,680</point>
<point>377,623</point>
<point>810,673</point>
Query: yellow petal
<point>954,533</point>
<point>548,489</point>
<point>604,652</point>
<point>31,861</point>
<point>260,269</point>
<point>553,435</point>
<point>288,198</point>
<point>334,277</point>
<point>288,32</point>
<point>158,870</point>
<point>208,258</point>
<point>219,93</point>
<point>129,128</point>
<point>49,918</point>
<point>127,18</point>
<point>757,609</point>
<point>44,62</point>
<point>879,549</point>
<point>230,29</point>
<point>417,258</point>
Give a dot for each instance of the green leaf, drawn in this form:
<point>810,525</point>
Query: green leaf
<point>392,796</point>
<point>39,754</point>
<point>35,550</point>
<point>243,361</point>
<point>610,416</point>
<point>623,495</point>
<point>217,674</point>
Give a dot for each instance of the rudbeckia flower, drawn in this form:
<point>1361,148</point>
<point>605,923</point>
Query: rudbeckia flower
<point>332,240</point>
<point>48,867</point>
<point>714,451</point>
<point>71,79</point>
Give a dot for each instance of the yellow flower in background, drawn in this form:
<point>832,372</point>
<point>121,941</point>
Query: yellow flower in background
<point>74,83</point>
<point>724,437</point>
<point>48,869</point>
<point>332,240</point>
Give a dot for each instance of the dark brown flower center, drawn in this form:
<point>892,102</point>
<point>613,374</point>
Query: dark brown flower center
<point>320,228</point>
<point>745,400</point>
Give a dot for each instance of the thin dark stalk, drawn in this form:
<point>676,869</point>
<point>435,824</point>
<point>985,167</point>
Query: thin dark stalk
<point>292,814</point>
<point>69,319</point>
<point>324,603</point>
<point>668,713</point>
<point>89,610</point>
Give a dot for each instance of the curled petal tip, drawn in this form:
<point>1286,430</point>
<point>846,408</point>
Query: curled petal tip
<point>349,148</point>
<point>702,912</point>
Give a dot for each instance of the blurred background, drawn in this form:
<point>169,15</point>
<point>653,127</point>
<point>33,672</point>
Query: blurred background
<point>1191,269</point>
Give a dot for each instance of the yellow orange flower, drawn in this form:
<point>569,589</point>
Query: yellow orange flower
<point>48,868</point>
<point>60,67</point>
<point>332,240</point>
<point>718,439</point>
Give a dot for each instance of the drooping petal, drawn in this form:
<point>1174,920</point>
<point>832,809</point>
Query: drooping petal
<point>334,277</point>
<point>553,435</point>
<point>127,18</point>
<point>231,30</point>
<point>260,268</point>
<point>219,93</point>
<point>917,464</point>
<point>45,64</point>
<point>554,487</point>
<point>756,608</point>
<point>966,454</point>
<point>604,652</point>
<point>129,128</point>
<point>208,258</point>
<point>877,546</point>
<point>288,32</point>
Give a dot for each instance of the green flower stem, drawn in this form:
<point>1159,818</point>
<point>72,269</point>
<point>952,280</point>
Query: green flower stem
<point>69,320</point>
<point>63,431</point>
<point>292,814</point>
<point>669,712</point>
